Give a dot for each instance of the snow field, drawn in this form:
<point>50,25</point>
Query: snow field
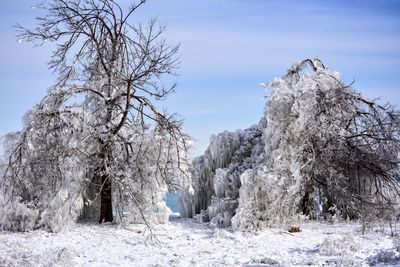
<point>183,242</point>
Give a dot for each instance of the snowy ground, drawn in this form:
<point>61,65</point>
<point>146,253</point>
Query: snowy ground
<point>184,242</point>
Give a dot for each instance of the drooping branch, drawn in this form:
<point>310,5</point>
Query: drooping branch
<point>100,124</point>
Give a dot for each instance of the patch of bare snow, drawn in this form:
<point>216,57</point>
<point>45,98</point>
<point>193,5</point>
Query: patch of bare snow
<point>183,242</point>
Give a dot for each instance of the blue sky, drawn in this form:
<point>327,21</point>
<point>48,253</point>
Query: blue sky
<point>229,47</point>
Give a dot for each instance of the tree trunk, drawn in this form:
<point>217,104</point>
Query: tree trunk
<point>105,190</point>
<point>106,206</point>
<point>307,203</point>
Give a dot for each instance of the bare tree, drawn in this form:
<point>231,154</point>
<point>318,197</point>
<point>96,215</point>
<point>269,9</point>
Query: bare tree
<point>100,121</point>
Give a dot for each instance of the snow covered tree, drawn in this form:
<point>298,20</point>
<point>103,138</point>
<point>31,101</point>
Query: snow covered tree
<point>214,193</point>
<point>97,146</point>
<point>327,149</point>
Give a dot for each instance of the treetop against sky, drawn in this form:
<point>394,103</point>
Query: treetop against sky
<point>227,48</point>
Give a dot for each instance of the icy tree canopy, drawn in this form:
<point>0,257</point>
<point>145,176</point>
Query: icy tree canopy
<point>320,147</point>
<point>96,147</point>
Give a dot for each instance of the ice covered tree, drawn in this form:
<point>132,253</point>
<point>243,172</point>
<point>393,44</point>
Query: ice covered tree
<point>214,193</point>
<point>327,149</point>
<point>97,144</point>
